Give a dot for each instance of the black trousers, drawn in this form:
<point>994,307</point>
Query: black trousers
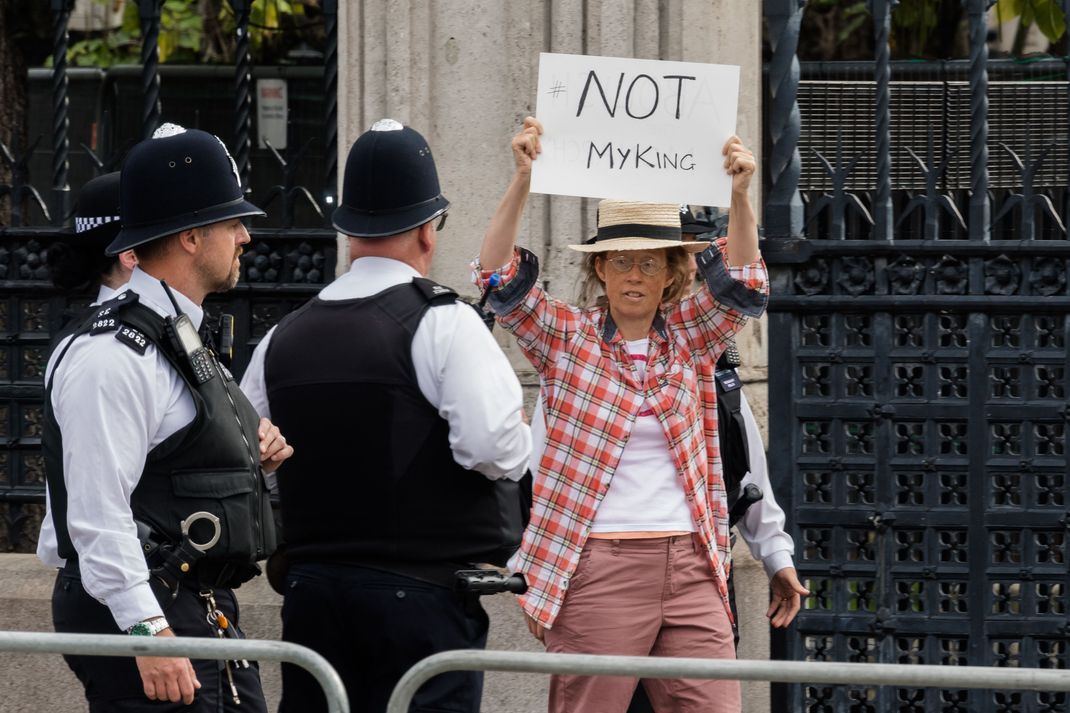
<point>113,684</point>
<point>372,626</point>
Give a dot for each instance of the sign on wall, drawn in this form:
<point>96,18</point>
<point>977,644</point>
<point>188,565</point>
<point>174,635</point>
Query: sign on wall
<point>635,129</point>
<point>271,112</point>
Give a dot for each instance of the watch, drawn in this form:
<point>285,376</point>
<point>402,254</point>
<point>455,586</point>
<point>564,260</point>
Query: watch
<point>149,627</point>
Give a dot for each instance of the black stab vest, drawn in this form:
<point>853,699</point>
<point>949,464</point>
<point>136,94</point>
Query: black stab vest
<point>373,481</point>
<point>211,465</point>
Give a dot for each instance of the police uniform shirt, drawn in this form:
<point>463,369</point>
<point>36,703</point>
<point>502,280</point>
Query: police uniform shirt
<point>762,527</point>
<point>113,405</point>
<point>460,370</point>
<point>105,293</point>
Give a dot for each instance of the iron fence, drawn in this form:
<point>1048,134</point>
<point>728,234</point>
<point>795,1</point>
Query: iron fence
<point>92,118</point>
<point>918,331</point>
<point>959,677</point>
<point>188,647</point>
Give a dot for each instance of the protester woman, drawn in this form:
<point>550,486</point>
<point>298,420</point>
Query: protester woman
<point>627,549</point>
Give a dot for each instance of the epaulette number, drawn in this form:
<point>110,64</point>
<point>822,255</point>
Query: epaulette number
<point>104,324</point>
<point>133,338</point>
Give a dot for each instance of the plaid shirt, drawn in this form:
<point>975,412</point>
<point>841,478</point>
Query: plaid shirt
<point>592,397</point>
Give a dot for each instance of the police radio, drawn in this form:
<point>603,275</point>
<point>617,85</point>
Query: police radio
<point>189,342</point>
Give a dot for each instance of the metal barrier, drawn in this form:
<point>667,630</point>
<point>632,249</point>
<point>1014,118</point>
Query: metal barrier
<point>880,674</point>
<point>189,647</point>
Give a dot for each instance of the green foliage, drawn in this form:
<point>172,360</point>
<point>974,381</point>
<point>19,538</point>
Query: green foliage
<point>918,17</point>
<point>1047,15</point>
<point>268,20</point>
<point>274,27</point>
<point>854,13</point>
<point>181,30</point>
<point>121,46</point>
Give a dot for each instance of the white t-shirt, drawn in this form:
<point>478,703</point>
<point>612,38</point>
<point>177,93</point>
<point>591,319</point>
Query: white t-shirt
<point>646,493</point>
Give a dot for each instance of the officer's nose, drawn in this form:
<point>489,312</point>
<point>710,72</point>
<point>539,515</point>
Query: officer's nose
<point>242,235</point>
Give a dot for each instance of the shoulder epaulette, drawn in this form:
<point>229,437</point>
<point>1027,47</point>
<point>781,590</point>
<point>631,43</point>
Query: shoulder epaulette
<point>133,338</point>
<point>107,317</point>
<point>434,292</point>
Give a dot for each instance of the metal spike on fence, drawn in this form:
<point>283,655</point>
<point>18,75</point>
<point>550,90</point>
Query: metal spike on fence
<point>932,201</point>
<point>1028,201</point>
<point>839,202</point>
<point>289,189</point>
<point>20,188</point>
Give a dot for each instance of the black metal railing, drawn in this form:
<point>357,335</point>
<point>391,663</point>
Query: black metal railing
<point>94,116</point>
<point>915,221</point>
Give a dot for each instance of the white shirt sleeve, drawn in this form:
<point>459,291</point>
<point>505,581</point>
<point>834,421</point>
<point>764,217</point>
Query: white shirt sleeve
<point>762,527</point>
<point>252,382</point>
<point>464,374</point>
<point>109,403</point>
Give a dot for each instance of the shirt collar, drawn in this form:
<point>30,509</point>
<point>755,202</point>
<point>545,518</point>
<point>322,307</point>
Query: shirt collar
<point>383,266</point>
<point>150,293</point>
<point>609,327</point>
<point>104,294</point>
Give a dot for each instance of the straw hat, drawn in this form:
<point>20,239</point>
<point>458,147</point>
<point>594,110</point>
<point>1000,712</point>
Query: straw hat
<point>632,225</point>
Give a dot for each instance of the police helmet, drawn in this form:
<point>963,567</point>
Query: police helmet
<point>177,180</point>
<point>390,185</point>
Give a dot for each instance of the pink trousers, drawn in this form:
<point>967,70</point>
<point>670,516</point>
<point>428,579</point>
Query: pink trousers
<point>643,597</point>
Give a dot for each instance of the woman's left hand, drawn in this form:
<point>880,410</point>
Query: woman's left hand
<point>787,593</point>
<point>739,163</point>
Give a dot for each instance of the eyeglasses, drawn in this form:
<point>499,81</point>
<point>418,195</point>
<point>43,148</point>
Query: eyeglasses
<point>441,222</point>
<point>648,265</point>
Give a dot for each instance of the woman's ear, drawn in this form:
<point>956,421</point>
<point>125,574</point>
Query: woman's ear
<point>128,259</point>
<point>600,268</point>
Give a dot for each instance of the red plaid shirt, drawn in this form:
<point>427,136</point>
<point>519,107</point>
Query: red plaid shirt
<point>592,396</point>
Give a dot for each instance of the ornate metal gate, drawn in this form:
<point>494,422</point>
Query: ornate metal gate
<point>918,363</point>
<point>282,266</point>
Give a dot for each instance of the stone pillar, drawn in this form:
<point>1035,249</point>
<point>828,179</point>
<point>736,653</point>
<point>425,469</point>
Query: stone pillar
<point>464,74</point>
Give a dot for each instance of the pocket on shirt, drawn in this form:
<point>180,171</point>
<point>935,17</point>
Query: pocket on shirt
<point>225,494</point>
<point>680,389</point>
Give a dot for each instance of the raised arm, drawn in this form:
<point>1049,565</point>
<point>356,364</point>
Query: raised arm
<point>497,249</point>
<point>742,223</point>
<point>734,281</point>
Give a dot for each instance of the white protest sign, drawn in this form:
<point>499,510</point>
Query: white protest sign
<point>271,112</point>
<point>635,129</point>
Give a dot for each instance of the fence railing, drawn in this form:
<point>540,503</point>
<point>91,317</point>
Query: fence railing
<point>189,647</point>
<point>780,671</point>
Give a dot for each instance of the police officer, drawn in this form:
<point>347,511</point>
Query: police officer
<point>406,419</point>
<point>153,456</point>
<point>79,264</point>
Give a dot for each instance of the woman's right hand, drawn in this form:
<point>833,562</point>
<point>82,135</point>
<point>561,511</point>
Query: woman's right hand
<point>526,145</point>
<point>537,630</point>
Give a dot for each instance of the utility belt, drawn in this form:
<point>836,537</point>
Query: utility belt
<point>188,562</point>
<point>184,564</point>
<point>440,573</point>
